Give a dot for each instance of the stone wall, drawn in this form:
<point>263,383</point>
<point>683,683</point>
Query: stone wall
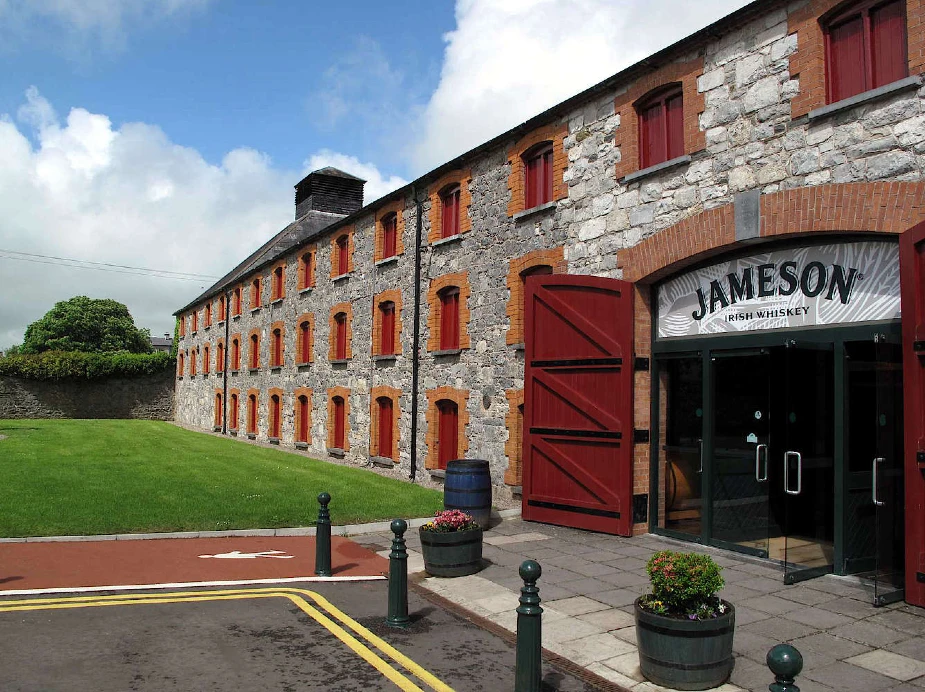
<point>148,398</point>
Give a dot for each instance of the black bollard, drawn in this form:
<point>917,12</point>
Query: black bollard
<point>323,538</point>
<point>786,663</point>
<point>529,671</point>
<point>398,577</point>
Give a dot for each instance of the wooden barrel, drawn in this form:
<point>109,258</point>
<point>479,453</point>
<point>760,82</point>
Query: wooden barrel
<point>453,554</point>
<point>468,487</point>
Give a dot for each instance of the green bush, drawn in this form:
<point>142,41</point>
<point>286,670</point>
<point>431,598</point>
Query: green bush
<point>60,365</point>
<point>683,584</point>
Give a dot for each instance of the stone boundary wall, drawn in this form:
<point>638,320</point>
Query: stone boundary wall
<point>150,397</point>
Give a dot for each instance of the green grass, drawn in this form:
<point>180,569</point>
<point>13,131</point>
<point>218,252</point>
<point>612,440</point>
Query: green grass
<point>117,476</point>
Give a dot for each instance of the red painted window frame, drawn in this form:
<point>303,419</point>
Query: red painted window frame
<point>386,412</point>
<point>181,363</point>
<point>538,175</point>
<point>236,301</point>
<point>195,321</point>
<point>340,415</point>
<point>221,309</point>
<point>449,318</point>
<point>447,432</point>
<point>254,360</point>
<point>302,423</point>
<point>256,293</point>
<point>387,328</point>
<point>252,413</point>
<point>389,235</point>
<point>192,362</point>
<point>235,354</point>
<point>220,357</point>
<point>205,359</point>
<point>279,278</point>
<point>277,350</point>
<point>207,315</point>
<point>340,336</point>
<point>868,78</point>
<point>661,125</point>
<point>343,254</point>
<point>276,415</point>
<point>233,405</point>
<point>449,211</point>
<point>306,271</point>
<point>218,409</point>
<point>305,341</point>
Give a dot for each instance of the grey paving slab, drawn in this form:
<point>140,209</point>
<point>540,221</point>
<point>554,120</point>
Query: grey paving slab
<point>904,622</point>
<point>628,563</point>
<point>914,647</point>
<point>745,615</point>
<point>890,664</point>
<point>849,606</point>
<point>805,596</point>
<point>609,618</point>
<point>626,579</point>
<point>556,592</point>
<point>593,569</point>
<point>868,633</point>
<point>771,604</point>
<point>577,605</point>
<point>819,618</point>
<point>779,628</point>
<point>589,586</point>
<point>830,645</point>
<point>755,646</point>
<point>617,597</point>
<point>848,678</point>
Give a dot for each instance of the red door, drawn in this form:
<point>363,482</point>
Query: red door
<point>912,275</point>
<point>449,427</point>
<point>385,427</point>
<point>578,403</point>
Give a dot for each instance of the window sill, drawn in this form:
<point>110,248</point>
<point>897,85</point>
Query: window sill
<point>207,327</point>
<point>337,452</point>
<point>385,358</point>
<point>235,317</point>
<point>437,473</point>
<point>447,352</point>
<point>251,436</point>
<point>306,290</point>
<point>341,277</point>
<point>179,377</point>
<point>657,168</point>
<point>517,490</point>
<point>253,370</point>
<point>274,440</point>
<point>234,372</point>
<point>276,369</point>
<point>221,323</point>
<point>340,361</point>
<point>449,240</point>
<point>383,462</point>
<point>519,346</point>
<point>194,332</point>
<point>255,310</point>
<point>905,84</point>
<point>301,445</point>
<point>303,365</point>
<point>277,301</point>
<point>534,210</point>
<point>387,260</point>
<point>233,432</point>
<point>216,428</point>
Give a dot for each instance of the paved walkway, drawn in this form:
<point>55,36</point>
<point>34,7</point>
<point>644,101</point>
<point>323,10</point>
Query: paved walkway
<point>590,581</point>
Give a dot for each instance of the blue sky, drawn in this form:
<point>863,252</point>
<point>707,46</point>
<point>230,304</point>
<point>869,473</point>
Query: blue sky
<point>168,134</point>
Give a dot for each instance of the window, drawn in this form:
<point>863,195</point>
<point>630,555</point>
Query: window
<point>207,315</point>
<point>342,255</point>
<point>339,422</point>
<point>275,415</point>
<point>304,345</point>
<point>340,336</point>
<point>221,308</point>
<point>192,361</point>
<point>276,347</point>
<point>538,270</point>
<point>449,318</point>
<point>236,353</point>
<point>233,410</point>
<point>195,320</point>
<point>251,414</point>
<point>389,235</point>
<point>661,126</point>
<point>447,432</point>
<point>279,283</point>
<point>449,211</point>
<point>220,357</point>
<point>181,325</point>
<point>256,298</point>
<point>236,301</point>
<point>255,352</point>
<point>538,172</point>
<point>865,48</point>
<point>205,359</point>
<point>386,422</point>
<point>180,363</point>
<point>307,270</point>
<point>303,418</point>
<point>218,410</point>
<point>387,328</point>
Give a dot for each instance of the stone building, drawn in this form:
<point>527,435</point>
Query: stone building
<point>743,191</point>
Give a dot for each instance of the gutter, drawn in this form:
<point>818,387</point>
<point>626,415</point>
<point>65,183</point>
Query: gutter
<point>416,339</point>
<point>225,365</point>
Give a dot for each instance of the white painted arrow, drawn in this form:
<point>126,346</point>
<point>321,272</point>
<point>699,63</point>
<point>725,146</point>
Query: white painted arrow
<point>238,555</point>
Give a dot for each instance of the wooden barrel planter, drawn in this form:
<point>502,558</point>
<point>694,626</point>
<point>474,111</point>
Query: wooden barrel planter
<point>467,487</point>
<point>685,654</point>
<point>452,554</point>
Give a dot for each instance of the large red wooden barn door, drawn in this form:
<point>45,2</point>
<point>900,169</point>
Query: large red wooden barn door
<point>578,402</point>
<point>912,275</point>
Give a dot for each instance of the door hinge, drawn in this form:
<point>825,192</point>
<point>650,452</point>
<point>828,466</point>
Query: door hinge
<point>641,364</point>
<point>640,436</point>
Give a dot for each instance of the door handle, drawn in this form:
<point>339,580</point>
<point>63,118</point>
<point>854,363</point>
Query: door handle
<point>873,479</point>
<point>758,477</point>
<point>799,458</point>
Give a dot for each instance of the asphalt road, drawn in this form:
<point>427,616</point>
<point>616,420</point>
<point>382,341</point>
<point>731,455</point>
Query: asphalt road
<point>247,642</point>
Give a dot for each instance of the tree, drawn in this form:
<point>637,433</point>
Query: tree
<point>88,325</point>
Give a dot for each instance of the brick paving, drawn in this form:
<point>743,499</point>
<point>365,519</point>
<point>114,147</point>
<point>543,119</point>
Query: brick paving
<point>590,581</point>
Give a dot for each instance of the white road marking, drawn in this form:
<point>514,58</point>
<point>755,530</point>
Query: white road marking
<point>238,555</point>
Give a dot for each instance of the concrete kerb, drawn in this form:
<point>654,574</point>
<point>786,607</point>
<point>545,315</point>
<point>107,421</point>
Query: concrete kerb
<point>345,530</point>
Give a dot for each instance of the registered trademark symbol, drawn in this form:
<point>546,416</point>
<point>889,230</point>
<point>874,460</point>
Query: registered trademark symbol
<point>860,277</point>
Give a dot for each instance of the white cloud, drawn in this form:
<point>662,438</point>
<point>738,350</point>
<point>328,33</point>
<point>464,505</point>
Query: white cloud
<point>508,60</point>
<point>377,184</point>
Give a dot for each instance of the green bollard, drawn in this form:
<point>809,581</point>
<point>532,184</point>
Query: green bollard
<point>529,671</point>
<point>786,663</point>
<point>398,577</point>
<point>323,538</point>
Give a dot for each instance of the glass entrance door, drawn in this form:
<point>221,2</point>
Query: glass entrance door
<point>740,446</point>
<point>803,430</point>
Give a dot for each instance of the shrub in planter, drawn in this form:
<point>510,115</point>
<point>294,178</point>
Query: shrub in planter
<point>683,630</point>
<point>451,544</point>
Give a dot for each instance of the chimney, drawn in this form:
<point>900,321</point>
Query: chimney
<point>329,190</point>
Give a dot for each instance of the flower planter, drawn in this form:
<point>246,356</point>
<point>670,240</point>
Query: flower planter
<point>685,654</point>
<point>452,554</point>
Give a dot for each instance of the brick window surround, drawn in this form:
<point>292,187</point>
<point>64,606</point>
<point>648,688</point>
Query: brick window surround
<point>517,269</point>
<point>661,125</point>
<point>458,280</point>
<point>347,310</point>
<point>278,281</point>
<point>344,394</point>
<point>807,63</point>
<point>181,326</point>
<point>277,344</point>
<point>514,447</point>
<point>193,357</point>
<point>207,315</point>
<point>393,395</point>
<point>460,397</point>
<point>392,295</point>
<point>307,268</point>
<point>462,178</point>
<point>221,309</point>
<point>253,411</point>
<point>194,321</point>
<point>382,214</point>
<point>234,408</point>
<point>256,292</point>
<point>181,357</point>
<point>516,182</point>
<point>275,412</point>
<point>302,415</point>
<point>626,137</point>
<point>220,355</point>
<point>253,346</point>
<point>219,409</point>
<point>235,354</point>
<point>305,339</point>
<point>336,269</point>
<point>237,301</point>
<point>206,357</point>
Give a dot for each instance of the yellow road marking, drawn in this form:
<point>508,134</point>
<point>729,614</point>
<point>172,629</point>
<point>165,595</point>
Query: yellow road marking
<point>296,596</point>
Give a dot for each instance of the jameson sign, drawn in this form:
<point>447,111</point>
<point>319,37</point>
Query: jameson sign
<point>785,289</point>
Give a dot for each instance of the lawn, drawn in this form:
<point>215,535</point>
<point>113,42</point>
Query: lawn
<point>118,476</point>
